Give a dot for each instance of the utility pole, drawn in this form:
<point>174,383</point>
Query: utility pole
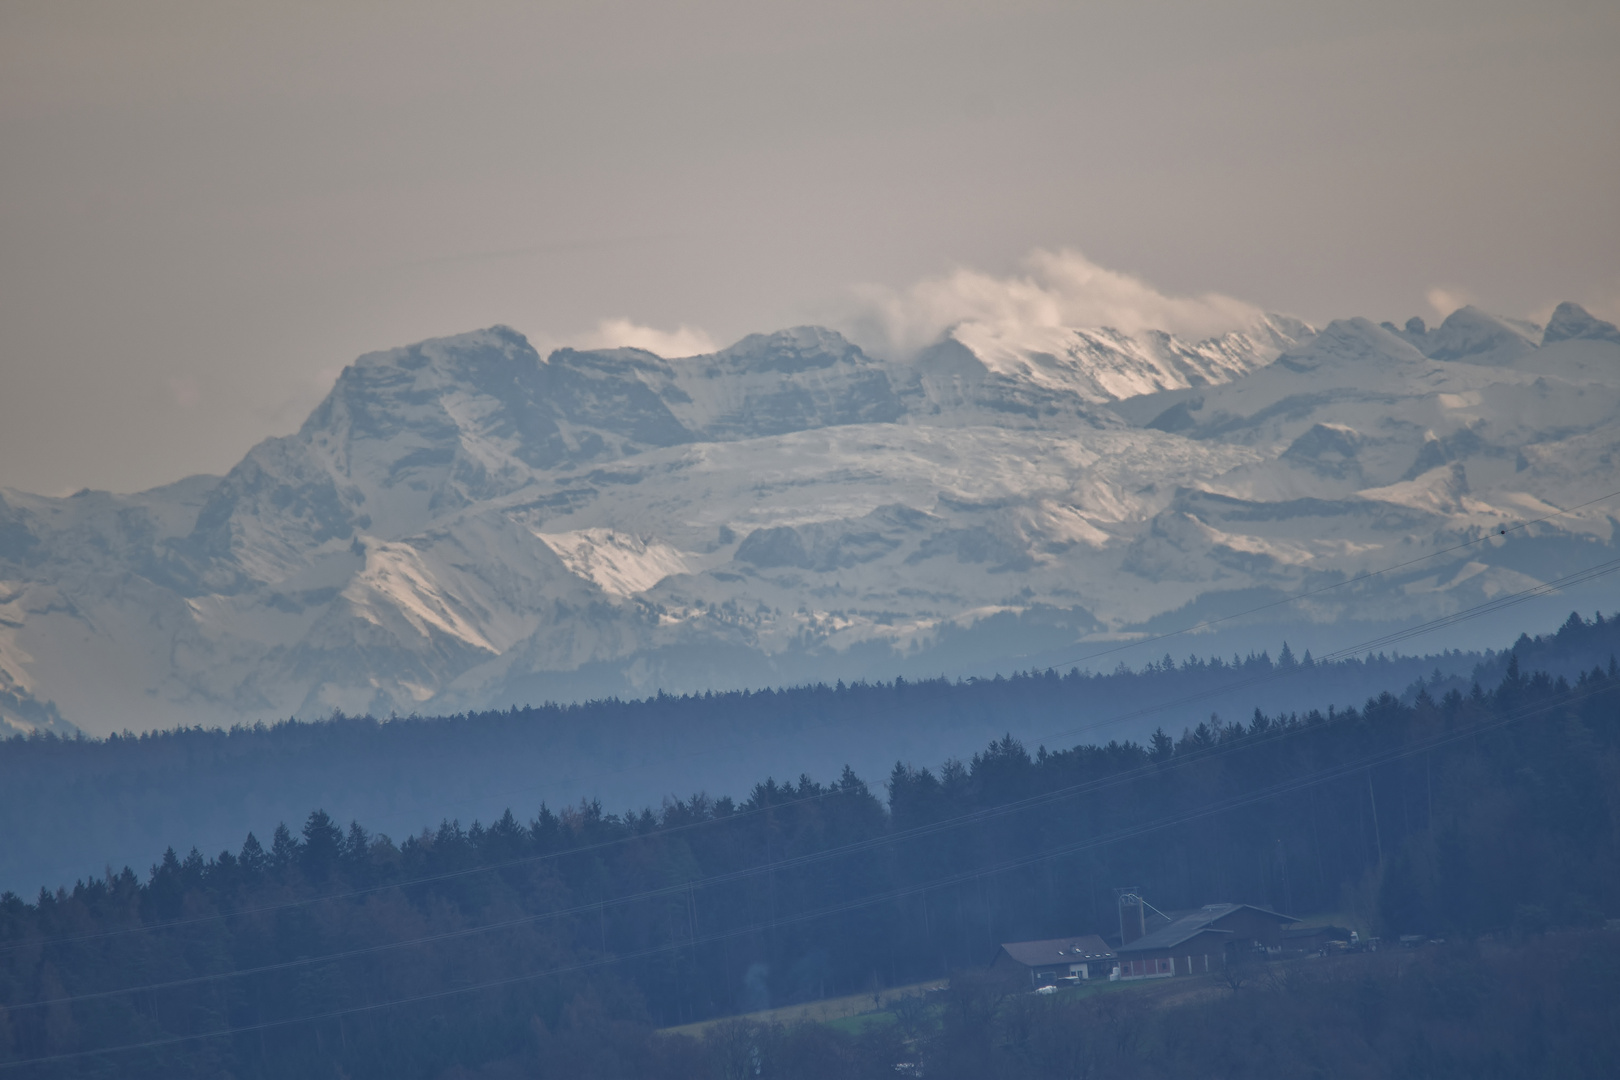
<point>1282,864</point>
<point>1428,785</point>
<point>1377,836</point>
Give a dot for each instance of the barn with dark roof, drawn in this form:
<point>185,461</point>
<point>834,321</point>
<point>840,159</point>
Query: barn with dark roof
<point>1047,963</point>
<point>1195,942</point>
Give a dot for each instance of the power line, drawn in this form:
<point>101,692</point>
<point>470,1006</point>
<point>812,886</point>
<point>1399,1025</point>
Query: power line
<point>1119,836</point>
<point>729,877</point>
<point>449,875</point>
<point>1486,607</point>
<point>713,880</point>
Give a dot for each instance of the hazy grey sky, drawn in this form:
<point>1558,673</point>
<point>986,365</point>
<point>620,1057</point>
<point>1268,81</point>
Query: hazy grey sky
<point>207,209</point>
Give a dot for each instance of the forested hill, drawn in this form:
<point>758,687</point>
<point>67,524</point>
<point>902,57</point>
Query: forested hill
<point>73,808</point>
<point>553,944</point>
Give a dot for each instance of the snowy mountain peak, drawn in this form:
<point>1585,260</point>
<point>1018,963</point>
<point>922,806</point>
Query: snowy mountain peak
<point>800,349</point>
<point>463,522</point>
<point>1348,341</point>
<point>1571,322</point>
<point>475,384</point>
<point>1044,371</point>
<point>461,355</point>
<point>793,380</point>
<point>1479,338</point>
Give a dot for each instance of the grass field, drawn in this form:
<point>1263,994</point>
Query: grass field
<point>857,1012</point>
<point>820,1012</point>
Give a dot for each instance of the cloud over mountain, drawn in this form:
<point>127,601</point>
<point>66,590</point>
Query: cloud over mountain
<point>465,522</point>
<point>1057,289</point>
<point>624,334</point>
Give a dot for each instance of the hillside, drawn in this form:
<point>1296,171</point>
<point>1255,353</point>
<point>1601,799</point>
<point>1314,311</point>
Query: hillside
<point>89,803</point>
<point>558,941</point>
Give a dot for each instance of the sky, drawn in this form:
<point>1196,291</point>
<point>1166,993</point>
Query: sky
<point>206,210</point>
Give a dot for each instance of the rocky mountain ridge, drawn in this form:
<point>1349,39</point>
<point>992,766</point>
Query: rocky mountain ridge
<point>463,523</point>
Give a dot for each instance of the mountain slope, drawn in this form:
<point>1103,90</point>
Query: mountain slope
<point>464,523</point>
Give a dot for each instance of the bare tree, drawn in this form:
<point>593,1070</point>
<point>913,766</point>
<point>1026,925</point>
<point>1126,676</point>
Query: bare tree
<point>1240,969</point>
<point>734,1048</point>
<point>910,1013</point>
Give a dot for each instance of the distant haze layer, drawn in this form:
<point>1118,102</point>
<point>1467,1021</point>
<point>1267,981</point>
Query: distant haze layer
<point>209,209</point>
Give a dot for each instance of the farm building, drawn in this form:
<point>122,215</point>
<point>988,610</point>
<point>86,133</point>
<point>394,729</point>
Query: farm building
<point>1194,942</point>
<point>1301,940</point>
<point>1046,963</point>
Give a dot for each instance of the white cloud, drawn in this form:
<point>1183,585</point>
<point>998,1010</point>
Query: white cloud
<point>622,333</point>
<point>1446,300</point>
<point>1059,289</point>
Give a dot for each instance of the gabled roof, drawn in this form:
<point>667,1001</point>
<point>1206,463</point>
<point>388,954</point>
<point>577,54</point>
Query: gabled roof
<point>1316,931</point>
<point>1064,950</point>
<point>1194,922</point>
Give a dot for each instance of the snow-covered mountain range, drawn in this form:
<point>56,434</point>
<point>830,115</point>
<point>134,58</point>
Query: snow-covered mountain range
<point>464,523</point>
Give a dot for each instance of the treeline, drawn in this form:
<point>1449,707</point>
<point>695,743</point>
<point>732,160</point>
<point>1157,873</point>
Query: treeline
<point>334,951</point>
<point>93,802</point>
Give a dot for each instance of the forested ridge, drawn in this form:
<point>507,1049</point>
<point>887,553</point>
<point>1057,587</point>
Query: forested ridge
<point>93,802</point>
<point>553,944</point>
